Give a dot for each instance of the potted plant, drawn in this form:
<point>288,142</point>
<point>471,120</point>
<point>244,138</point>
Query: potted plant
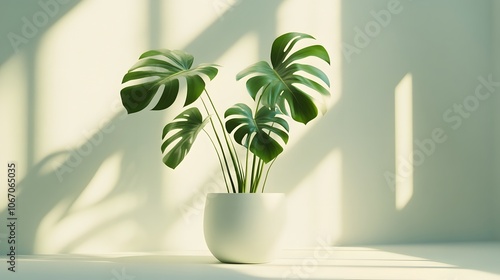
<point>242,225</point>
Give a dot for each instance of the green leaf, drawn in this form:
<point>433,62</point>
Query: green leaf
<point>258,132</point>
<point>157,68</point>
<point>279,84</point>
<point>182,133</point>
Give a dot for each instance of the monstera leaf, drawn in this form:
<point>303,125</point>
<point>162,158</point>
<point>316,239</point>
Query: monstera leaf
<point>259,132</point>
<point>158,68</point>
<point>180,135</point>
<point>280,83</point>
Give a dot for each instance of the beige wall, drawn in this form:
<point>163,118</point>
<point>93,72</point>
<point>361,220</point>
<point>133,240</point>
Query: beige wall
<point>91,178</point>
<point>496,56</point>
<point>444,50</point>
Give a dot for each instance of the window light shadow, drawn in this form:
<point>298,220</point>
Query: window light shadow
<point>62,178</point>
<point>23,25</point>
<point>403,100</point>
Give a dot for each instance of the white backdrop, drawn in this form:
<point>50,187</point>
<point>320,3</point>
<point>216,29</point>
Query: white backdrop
<point>496,55</point>
<point>91,178</point>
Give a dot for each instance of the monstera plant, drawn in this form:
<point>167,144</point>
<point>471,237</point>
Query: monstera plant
<point>247,138</point>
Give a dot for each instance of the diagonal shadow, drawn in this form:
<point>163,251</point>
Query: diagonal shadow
<point>22,26</point>
<point>42,191</point>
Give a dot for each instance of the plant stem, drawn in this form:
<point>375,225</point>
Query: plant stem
<point>220,161</point>
<point>267,174</point>
<point>221,147</point>
<point>258,175</point>
<point>245,178</point>
<point>254,183</point>
<point>230,145</point>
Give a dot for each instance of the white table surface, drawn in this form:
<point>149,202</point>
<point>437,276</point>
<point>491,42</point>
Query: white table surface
<point>454,261</point>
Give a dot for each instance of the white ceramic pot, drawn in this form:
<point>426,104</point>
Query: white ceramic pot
<point>244,227</point>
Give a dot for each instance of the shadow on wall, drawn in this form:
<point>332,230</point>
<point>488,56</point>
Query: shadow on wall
<point>23,25</point>
<point>52,196</point>
<point>447,188</point>
<point>445,50</point>
<point>61,197</point>
<point>453,177</point>
<point>496,55</point>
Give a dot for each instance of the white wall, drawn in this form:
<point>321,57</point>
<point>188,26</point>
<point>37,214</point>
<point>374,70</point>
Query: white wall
<point>496,55</point>
<point>91,178</point>
<point>444,50</point>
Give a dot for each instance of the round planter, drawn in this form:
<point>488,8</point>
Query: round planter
<point>244,227</point>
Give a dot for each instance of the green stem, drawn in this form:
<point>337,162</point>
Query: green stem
<point>222,148</point>
<point>245,176</point>
<point>254,183</point>
<point>267,174</point>
<point>220,160</point>
<point>230,144</point>
<point>258,175</point>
